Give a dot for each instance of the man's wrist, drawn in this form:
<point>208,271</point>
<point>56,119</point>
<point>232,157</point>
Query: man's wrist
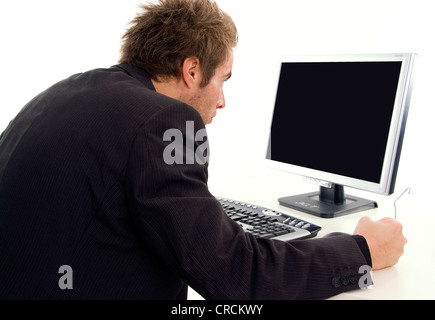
<point>362,243</point>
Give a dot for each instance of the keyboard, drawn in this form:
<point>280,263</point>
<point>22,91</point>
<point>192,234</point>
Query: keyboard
<point>262,222</point>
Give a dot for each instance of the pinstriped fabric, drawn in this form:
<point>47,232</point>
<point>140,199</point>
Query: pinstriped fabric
<point>85,184</point>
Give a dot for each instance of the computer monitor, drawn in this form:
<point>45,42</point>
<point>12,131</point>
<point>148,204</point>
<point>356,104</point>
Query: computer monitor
<point>339,120</point>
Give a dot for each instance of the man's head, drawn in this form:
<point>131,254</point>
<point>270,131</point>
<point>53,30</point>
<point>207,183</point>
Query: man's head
<point>186,47</point>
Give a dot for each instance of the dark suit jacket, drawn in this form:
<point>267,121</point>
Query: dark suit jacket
<point>83,183</point>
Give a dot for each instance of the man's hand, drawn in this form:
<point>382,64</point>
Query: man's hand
<point>385,240</point>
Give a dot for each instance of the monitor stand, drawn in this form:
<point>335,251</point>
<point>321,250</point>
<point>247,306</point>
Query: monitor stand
<point>328,202</point>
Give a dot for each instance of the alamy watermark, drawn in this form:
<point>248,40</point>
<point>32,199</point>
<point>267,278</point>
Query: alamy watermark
<point>66,281</point>
<point>365,281</point>
<point>181,151</point>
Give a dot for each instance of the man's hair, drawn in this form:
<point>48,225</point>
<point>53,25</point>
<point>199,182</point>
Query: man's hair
<point>165,34</point>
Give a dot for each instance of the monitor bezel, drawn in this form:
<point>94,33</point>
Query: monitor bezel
<point>395,135</point>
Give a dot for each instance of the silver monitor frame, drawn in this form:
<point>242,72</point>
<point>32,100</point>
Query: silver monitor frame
<point>395,135</point>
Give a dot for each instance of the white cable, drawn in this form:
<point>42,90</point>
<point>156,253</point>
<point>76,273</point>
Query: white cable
<point>395,208</point>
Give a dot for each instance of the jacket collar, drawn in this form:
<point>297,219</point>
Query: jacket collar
<point>137,73</point>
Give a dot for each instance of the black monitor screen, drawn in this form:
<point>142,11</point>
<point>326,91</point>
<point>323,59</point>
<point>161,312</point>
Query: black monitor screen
<point>335,116</point>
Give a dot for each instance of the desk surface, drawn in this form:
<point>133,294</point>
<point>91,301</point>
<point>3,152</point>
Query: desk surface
<point>411,278</point>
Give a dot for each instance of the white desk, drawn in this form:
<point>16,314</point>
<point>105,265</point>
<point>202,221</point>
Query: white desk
<point>411,278</point>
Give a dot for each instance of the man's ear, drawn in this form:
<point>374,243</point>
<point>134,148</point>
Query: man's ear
<point>191,72</point>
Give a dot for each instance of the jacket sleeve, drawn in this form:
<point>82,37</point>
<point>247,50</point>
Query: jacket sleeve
<point>186,228</point>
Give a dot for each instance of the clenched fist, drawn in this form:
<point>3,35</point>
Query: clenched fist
<point>385,240</point>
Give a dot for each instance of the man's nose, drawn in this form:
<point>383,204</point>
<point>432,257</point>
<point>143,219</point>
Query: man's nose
<point>221,101</point>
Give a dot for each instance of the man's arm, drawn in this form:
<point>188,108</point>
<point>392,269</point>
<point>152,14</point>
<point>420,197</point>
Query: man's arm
<point>187,230</point>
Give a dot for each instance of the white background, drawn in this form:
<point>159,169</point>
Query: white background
<point>45,41</point>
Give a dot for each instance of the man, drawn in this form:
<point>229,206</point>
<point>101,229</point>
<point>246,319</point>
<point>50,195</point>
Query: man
<point>92,206</point>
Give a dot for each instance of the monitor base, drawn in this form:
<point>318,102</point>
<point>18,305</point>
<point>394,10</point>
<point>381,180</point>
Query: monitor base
<point>327,203</point>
